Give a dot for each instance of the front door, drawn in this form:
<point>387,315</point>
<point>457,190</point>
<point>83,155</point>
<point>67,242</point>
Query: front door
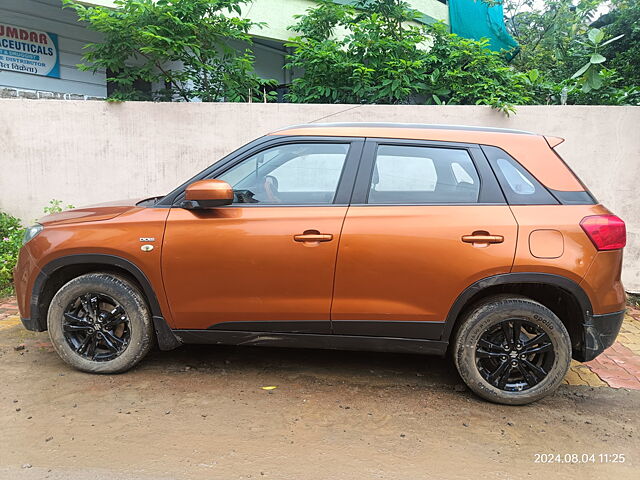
<point>427,221</point>
<point>265,263</point>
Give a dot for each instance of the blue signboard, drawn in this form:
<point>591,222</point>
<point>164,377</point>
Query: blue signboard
<point>24,50</point>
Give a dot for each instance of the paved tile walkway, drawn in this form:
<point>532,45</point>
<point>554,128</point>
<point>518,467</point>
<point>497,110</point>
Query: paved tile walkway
<point>617,367</point>
<point>8,307</point>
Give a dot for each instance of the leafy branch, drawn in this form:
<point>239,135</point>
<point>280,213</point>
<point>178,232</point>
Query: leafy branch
<point>174,50</point>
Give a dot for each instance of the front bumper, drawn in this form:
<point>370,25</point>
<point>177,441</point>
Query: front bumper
<point>24,275</point>
<point>598,333</point>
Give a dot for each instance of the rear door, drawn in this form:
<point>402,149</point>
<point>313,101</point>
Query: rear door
<point>427,220</point>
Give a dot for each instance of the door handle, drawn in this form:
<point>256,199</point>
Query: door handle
<point>313,236</point>
<point>482,238</point>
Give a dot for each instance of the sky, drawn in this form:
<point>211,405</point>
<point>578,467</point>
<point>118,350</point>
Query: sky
<point>602,9</point>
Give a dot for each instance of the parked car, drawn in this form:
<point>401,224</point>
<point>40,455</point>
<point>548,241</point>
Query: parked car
<point>387,237</point>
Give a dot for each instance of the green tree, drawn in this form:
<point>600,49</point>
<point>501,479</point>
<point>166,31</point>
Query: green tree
<point>187,49</point>
<point>383,55</point>
<point>547,33</point>
<point>623,19</point>
<point>590,76</point>
<point>566,59</point>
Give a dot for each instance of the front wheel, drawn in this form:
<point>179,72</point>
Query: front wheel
<point>100,323</point>
<point>512,350</point>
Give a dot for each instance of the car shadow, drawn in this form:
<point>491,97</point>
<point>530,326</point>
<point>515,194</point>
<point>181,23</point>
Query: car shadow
<point>327,365</point>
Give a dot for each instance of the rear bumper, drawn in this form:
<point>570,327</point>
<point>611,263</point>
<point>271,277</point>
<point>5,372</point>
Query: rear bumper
<point>598,333</point>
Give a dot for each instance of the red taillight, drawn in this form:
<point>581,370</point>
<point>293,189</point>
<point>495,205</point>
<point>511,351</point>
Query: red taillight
<point>607,232</point>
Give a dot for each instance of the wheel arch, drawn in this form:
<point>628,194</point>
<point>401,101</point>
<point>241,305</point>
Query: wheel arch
<point>62,269</point>
<point>561,295</point>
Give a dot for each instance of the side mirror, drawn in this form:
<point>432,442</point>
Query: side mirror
<point>208,194</point>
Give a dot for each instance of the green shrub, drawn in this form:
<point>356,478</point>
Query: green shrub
<point>11,232</point>
<point>56,206</point>
<point>387,58</point>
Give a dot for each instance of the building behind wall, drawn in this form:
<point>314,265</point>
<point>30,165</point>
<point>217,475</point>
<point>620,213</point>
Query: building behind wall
<point>62,28</point>
<point>41,45</point>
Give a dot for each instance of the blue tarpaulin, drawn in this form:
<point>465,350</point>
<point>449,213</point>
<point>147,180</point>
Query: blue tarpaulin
<point>476,19</point>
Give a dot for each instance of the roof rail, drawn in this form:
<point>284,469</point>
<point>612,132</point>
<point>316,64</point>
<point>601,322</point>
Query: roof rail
<point>406,125</point>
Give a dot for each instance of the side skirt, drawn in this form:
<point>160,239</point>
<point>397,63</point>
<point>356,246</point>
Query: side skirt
<point>308,340</point>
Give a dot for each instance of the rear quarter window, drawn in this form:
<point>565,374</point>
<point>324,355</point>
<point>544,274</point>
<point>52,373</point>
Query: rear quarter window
<point>518,185</point>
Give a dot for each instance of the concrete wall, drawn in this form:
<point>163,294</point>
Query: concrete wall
<point>89,152</point>
<point>48,16</point>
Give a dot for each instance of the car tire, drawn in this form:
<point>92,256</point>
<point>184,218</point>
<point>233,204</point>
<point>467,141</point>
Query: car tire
<point>100,323</point>
<point>506,367</point>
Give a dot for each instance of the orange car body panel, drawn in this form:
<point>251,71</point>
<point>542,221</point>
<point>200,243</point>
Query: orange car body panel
<point>416,266</point>
<point>119,236</point>
<point>243,264</point>
<point>91,213</point>
<point>603,285</point>
<point>578,256</point>
<point>531,150</point>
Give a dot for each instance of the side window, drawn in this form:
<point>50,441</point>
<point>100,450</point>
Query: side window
<point>460,173</point>
<point>516,179</point>
<point>413,174</point>
<point>291,174</point>
<point>519,186</point>
<point>313,172</point>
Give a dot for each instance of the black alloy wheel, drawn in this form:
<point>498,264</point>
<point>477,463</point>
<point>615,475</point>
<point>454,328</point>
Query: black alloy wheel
<point>96,327</point>
<point>511,349</point>
<point>514,355</point>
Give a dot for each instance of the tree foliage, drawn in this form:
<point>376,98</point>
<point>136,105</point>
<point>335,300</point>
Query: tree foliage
<point>370,51</point>
<point>570,55</point>
<point>590,75</point>
<point>11,232</point>
<point>186,49</point>
<point>375,52</point>
<point>547,33</point>
<point>624,19</point>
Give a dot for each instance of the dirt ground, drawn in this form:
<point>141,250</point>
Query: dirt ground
<point>200,413</point>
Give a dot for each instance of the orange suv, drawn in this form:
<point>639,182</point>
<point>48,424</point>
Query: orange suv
<point>386,237</point>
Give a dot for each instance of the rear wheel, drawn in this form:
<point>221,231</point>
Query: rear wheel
<point>100,323</point>
<point>512,350</point>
